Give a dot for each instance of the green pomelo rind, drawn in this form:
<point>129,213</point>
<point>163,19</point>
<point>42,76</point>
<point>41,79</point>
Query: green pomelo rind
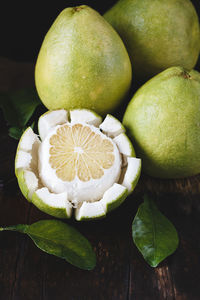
<point>110,123</point>
<point>106,204</point>
<point>136,179</point>
<point>38,202</point>
<point>19,172</point>
<point>58,212</point>
<point>129,179</point>
<point>86,218</point>
<point>64,79</point>
<point>157,34</point>
<point>127,147</point>
<point>100,215</point>
<point>114,203</point>
<point>18,148</point>
<point>22,184</point>
<point>162,119</point>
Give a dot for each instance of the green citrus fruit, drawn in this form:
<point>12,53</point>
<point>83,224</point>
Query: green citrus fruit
<point>158,34</point>
<point>82,63</point>
<point>80,162</point>
<point>163,121</point>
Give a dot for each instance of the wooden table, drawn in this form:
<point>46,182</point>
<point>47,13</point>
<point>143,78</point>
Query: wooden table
<point>26,273</point>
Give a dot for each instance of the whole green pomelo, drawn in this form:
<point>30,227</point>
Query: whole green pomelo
<point>157,33</point>
<point>82,63</point>
<point>163,121</point>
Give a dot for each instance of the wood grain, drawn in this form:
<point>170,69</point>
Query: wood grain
<point>26,273</point>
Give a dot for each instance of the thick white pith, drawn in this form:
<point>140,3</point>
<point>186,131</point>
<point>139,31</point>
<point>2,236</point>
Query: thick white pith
<point>111,126</point>
<point>95,198</point>
<point>48,121</point>
<point>85,116</point>
<point>55,200</point>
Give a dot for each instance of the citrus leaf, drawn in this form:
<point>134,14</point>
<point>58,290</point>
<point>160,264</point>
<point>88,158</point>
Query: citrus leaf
<point>15,132</point>
<point>60,239</point>
<point>18,107</point>
<point>153,234</point>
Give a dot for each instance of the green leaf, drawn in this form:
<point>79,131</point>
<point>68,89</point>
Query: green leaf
<point>18,107</point>
<point>8,110</point>
<point>153,234</point>
<point>15,132</point>
<point>60,239</point>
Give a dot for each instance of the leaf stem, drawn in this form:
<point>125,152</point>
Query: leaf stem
<point>20,228</point>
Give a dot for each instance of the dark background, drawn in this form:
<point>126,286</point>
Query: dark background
<point>24,24</point>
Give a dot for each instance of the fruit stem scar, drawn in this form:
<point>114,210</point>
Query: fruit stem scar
<point>77,8</point>
<point>186,75</point>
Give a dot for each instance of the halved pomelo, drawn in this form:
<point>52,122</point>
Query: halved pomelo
<point>80,163</point>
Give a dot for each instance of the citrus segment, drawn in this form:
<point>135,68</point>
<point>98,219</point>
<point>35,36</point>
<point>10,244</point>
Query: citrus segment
<point>71,154</point>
